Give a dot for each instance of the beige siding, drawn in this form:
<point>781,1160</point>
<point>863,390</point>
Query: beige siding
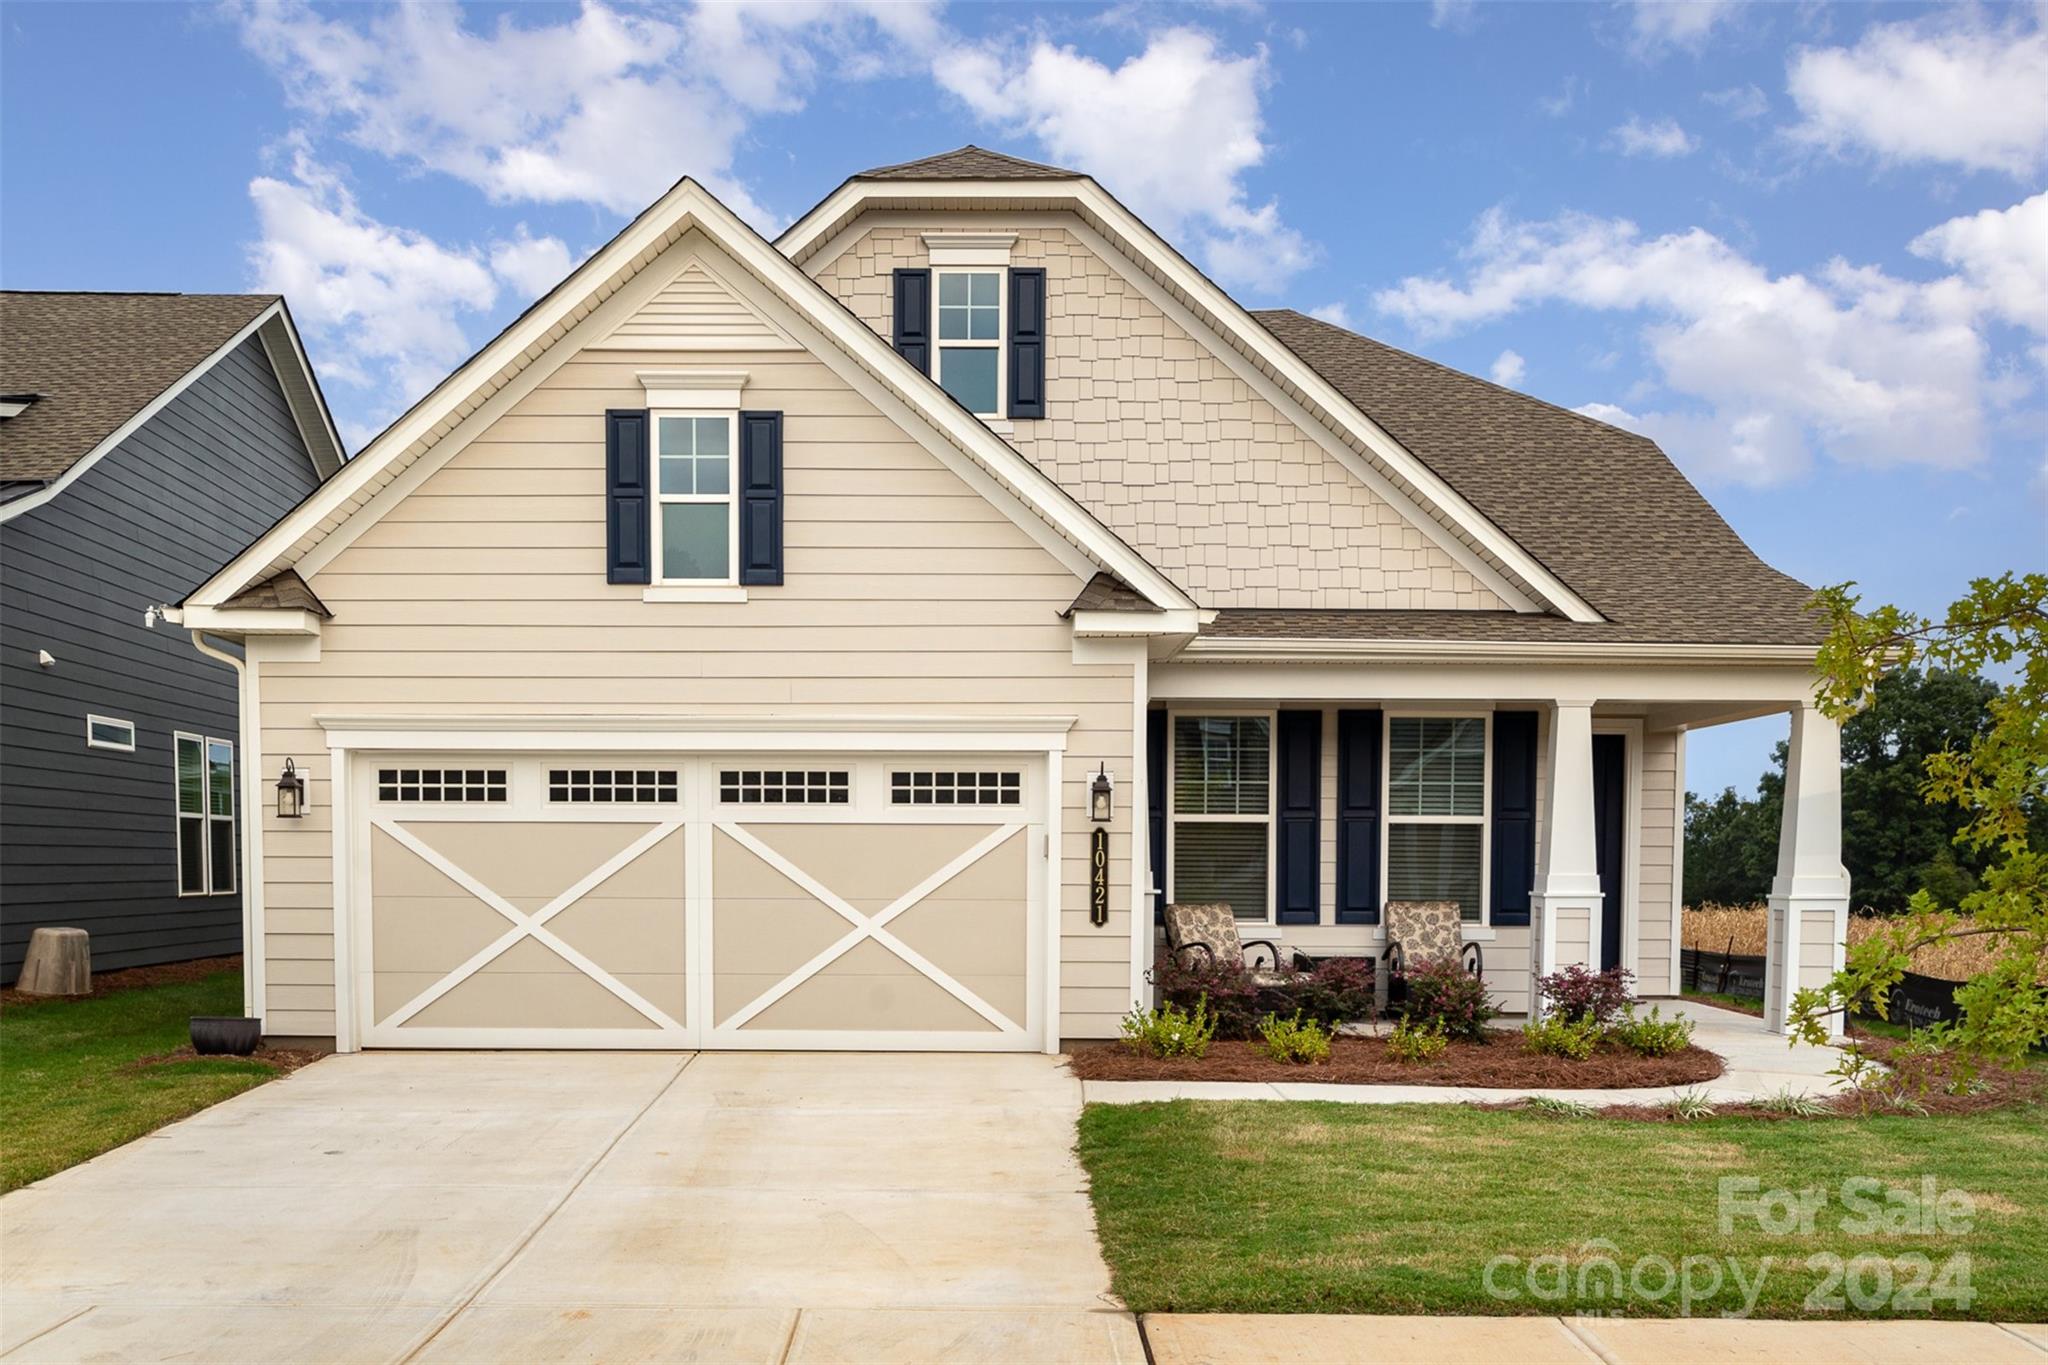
<point>484,591</point>
<point>1656,962</point>
<point>1156,436</point>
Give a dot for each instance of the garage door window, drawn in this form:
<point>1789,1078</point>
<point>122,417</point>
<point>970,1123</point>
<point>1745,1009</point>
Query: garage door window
<point>917,787</point>
<point>441,785</point>
<point>613,786</point>
<point>785,786</point>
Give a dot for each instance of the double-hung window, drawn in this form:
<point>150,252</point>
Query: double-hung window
<point>1221,846</point>
<point>696,519</point>
<point>1436,823</point>
<point>970,306</point>
<point>206,815</point>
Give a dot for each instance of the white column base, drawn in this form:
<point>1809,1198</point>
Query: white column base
<point>1807,939</point>
<point>1564,928</point>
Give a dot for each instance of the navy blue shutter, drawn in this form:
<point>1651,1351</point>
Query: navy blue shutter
<point>628,557</point>
<point>1027,343</point>
<point>1155,791</point>
<point>1358,817</point>
<point>1514,814</point>
<point>1297,818</point>
<point>760,495</point>
<point>913,337</point>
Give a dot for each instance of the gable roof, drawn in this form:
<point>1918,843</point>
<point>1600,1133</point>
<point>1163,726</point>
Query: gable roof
<point>286,591</point>
<point>96,361</point>
<point>991,466</point>
<point>1603,508</point>
<point>968,163</point>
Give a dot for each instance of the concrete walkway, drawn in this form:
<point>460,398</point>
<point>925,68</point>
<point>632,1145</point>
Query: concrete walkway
<point>1246,1339</point>
<point>501,1206</point>
<point>1760,1064</point>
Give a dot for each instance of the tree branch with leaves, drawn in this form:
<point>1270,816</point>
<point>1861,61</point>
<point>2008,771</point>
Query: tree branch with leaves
<point>1999,782</point>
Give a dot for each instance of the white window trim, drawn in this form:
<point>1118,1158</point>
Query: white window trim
<point>1469,929</point>
<point>999,345</point>
<point>731,499</point>
<point>970,248</point>
<point>1174,816</point>
<point>205,816</point>
<point>93,743</point>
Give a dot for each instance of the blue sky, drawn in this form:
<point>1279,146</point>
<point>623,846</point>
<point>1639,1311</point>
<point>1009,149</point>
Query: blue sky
<point>1805,247</point>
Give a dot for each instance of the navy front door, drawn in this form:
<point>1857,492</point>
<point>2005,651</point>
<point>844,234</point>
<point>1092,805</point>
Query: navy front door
<point>1610,823</point>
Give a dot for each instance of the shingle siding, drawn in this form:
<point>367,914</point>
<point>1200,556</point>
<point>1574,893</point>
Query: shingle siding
<point>87,836</point>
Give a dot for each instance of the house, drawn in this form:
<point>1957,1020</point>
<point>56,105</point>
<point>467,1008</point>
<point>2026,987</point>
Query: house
<point>730,653</point>
<point>143,439</point>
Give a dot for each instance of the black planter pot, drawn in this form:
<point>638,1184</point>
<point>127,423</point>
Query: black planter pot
<point>220,1035</point>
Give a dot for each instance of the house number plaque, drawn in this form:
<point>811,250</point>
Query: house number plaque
<point>1098,877</point>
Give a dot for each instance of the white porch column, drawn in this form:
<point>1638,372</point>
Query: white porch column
<point>1808,923</point>
<point>1565,909</point>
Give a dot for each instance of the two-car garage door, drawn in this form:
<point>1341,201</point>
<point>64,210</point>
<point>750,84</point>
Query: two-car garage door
<point>581,900</point>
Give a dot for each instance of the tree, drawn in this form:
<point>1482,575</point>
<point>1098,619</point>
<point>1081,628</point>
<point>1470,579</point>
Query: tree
<point>1998,782</point>
<point>1894,842</point>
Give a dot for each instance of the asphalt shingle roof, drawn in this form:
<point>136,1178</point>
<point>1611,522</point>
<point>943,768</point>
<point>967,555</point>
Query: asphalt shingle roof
<point>1603,509</point>
<point>1107,592</point>
<point>95,360</point>
<point>969,163</point>
<point>284,590</point>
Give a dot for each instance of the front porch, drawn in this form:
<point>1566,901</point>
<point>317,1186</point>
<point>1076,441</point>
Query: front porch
<point>1547,798</point>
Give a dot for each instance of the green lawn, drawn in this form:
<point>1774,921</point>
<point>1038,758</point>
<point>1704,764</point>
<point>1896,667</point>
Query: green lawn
<point>1268,1207</point>
<point>69,1091</point>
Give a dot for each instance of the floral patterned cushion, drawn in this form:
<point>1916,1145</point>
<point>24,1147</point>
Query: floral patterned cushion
<point>1212,926</point>
<point>1426,930</point>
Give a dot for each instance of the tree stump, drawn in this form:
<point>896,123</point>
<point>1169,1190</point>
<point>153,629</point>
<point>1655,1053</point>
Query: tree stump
<point>59,962</point>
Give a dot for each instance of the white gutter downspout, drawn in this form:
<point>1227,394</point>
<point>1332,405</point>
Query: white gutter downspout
<point>252,822</point>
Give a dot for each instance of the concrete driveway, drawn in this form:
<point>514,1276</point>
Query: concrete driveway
<point>492,1206</point>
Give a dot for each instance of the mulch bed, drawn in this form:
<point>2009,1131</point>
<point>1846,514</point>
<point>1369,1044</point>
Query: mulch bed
<point>1498,1063</point>
<point>285,1059</point>
<point>1927,1089</point>
<point>132,978</point>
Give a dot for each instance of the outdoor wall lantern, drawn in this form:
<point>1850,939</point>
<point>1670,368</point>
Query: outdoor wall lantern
<point>291,793</point>
<point>1101,804</point>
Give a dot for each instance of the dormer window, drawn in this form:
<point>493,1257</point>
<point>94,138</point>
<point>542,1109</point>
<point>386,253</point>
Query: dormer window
<point>970,338</point>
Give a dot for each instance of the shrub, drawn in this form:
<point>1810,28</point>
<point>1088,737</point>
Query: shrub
<point>1295,1039</point>
<point>1227,989</point>
<point>1338,991</point>
<point>1170,1031</point>
<point>1689,1105</point>
<point>1443,993</point>
<point>1654,1036</point>
<point>1554,1035</point>
<point>1576,992</point>
<point>1412,1042</point>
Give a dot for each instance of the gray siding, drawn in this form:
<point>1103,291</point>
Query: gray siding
<point>87,836</point>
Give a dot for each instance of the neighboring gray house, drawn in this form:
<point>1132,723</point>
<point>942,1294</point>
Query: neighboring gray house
<point>144,438</point>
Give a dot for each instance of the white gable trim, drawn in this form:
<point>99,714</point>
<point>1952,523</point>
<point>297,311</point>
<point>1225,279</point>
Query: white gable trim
<point>485,379</point>
<point>837,221</point>
<point>271,319</point>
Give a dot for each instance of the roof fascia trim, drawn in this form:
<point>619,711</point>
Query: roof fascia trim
<point>802,240</point>
<point>1227,649</point>
<point>315,422</point>
<point>137,420</point>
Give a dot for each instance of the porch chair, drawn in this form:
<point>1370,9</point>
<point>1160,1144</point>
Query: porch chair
<point>1201,934</point>
<point>1423,931</point>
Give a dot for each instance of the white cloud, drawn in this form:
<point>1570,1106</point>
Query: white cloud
<point>1744,102</point>
<point>377,303</point>
<point>1664,138</point>
<point>1968,95</point>
<point>1455,16</point>
<point>1657,27</point>
<point>531,265</point>
<point>607,107</point>
<point>1509,368</point>
<point>1171,132</point>
<point>1336,314</point>
<point>1765,370</point>
<point>1560,104</point>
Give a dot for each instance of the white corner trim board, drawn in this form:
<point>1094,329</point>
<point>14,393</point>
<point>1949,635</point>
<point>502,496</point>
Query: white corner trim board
<point>464,395</point>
